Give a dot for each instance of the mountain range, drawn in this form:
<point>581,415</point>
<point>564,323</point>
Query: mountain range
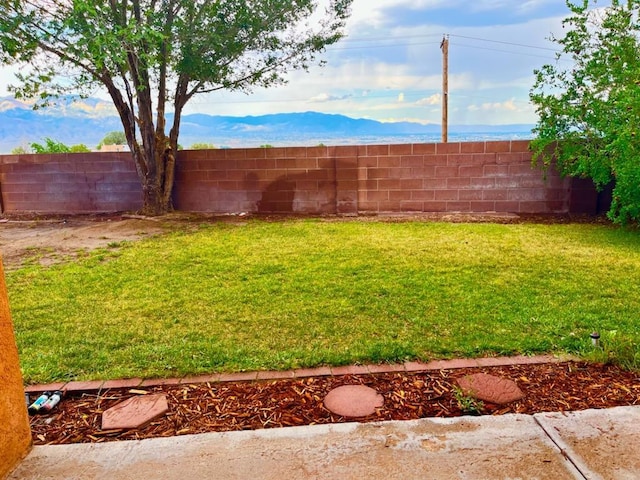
<point>89,120</point>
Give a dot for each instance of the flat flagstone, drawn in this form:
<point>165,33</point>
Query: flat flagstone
<point>353,401</point>
<point>135,412</point>
<point>490,388</point>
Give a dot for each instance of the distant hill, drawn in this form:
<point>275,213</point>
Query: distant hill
<point>88,123</point>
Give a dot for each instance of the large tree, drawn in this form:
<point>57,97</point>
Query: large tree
<point>152,56</point>
<point>588,102</point>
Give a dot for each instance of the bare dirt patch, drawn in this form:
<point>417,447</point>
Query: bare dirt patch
<point>54,239</point>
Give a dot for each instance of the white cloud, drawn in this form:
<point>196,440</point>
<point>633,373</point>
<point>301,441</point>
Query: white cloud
<point>507,105</point>
<point>435,99</point>
<point>327,97</point>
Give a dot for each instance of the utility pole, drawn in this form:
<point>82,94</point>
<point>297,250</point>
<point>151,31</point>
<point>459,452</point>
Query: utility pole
<point>444,46</point>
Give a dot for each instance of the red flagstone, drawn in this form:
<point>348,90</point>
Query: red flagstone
<point>353,401</point>
<point>135,412</point>
<point>490,388</point>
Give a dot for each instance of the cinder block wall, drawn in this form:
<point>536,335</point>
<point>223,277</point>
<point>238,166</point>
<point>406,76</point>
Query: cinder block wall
<point>438,177</point>
<point>69,183</point>
<point>15,435</point>
<point>458,177</point>
<point>451,177</point>
<point>314,180</point>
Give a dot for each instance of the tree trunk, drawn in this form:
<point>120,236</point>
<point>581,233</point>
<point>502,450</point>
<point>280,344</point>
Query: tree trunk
<point>157,185</point>
<point>169,173</point>
<point>152,200</point>
<point>153,155</point>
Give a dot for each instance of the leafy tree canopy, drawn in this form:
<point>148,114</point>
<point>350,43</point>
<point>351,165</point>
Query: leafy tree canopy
<point>49,146</point>
<point>202,146</point>
<point>155,55</point>
<point>113,138</point>
<point>20,150</point>
<point>588,102</point>
<point>79,148</point>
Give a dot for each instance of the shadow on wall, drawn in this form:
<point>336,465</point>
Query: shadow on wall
<point>310,192</point>
<point>278,197</point>
<point>584,199</point>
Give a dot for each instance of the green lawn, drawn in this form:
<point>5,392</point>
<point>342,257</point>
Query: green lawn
<point>308,292</point>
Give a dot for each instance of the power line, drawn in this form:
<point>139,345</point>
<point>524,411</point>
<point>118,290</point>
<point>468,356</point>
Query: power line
<point>478,39</point>
<point>399,37</point>
<point>394,45</point>
<point>502,51</point>
<point>506,43</point>
<point>431,35</point>
<point>492,100</point>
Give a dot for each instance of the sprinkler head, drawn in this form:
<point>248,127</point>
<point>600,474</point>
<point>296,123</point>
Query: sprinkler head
<point>595,338</point>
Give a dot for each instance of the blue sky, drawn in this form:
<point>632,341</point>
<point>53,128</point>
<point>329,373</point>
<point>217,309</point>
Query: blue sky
<point>390,65</point>
<point>389,68</point>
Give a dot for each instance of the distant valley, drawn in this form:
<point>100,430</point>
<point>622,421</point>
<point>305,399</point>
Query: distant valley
<point>20,125</point>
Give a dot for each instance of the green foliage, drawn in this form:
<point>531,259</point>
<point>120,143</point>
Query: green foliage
<point>21,150</point>
<point>468,404</point>
<point>615,349</point>
<point>50,146</point>
<point>266,145</point>
<point>202,146</point>
<point>589,102</point>
<point>80,148</point>
<point>113,138</point>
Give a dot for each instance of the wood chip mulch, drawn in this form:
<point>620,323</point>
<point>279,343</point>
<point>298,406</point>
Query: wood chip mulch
<point>209,407</point>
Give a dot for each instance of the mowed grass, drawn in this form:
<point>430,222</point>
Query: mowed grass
<point>304,293</point>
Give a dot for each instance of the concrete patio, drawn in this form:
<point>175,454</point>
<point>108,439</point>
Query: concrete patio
<point>592,444</point>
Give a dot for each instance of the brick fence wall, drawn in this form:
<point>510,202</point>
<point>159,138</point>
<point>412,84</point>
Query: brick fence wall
<point>69,183</point>
<point>436,177</point>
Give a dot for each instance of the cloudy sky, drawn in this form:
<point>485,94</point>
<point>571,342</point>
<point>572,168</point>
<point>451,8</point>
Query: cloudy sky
<point>390,65</point>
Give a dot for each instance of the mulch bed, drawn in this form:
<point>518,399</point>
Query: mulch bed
<point>217,407</point>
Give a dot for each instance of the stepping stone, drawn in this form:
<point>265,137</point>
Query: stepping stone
<point>490,388</point>
<point>353,401</point>
<point>135,412</point>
